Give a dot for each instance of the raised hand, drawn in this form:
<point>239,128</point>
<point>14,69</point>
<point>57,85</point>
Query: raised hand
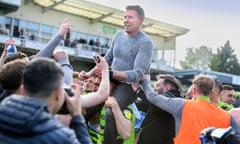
<point>64,27</point>
<point>111,102</point>
<point>8,42</point>
<point>59,54</point>
<point>74,103</point>
<point>102,64</point>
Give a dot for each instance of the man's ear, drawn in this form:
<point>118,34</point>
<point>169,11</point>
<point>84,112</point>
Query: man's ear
<point>57,94</point>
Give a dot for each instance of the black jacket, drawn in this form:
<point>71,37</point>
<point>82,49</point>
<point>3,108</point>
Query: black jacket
<point>158,126</point>
<point>26,120</point>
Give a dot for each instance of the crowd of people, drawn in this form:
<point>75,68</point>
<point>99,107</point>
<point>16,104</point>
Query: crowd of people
<point>43,100</point>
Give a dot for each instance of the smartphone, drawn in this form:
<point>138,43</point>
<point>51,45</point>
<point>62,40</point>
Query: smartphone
<point>96,58</point>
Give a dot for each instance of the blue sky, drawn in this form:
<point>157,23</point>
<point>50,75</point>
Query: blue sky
<point>211,22</point>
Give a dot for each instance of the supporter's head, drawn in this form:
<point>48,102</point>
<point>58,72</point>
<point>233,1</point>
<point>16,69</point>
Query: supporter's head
<point>90,84</point>
<point>202,85</point>
<point>138,9</point>
<point>166,82</point>
<point>78,81</point>
<point>43,79</point>
<point>18,55</point>
<point>11,75</point>
<point>133,19</point>
<point>216,91</point>
<point>227,94</point>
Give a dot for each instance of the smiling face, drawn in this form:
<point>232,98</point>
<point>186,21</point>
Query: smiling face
<point>227,96</point>
<point>132,22</point>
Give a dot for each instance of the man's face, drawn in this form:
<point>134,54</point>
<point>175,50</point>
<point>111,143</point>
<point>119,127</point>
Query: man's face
<point>160,87</point>
<point>132,22</point>
<point>227,96</point>
<point>89,84</point>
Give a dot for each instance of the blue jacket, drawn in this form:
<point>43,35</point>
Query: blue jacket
<point>27,120</point>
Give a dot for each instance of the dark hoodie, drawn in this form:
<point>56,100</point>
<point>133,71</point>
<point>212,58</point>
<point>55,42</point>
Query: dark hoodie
<point>158,126</point>
<point>26,120</point>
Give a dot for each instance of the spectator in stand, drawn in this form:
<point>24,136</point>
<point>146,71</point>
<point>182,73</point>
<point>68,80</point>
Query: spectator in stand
<point>191,117</point>
<point>32,36</point>
<point>2,31</point>
<point>98,43</point>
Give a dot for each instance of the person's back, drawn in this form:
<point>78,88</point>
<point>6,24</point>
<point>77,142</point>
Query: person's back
<point>27,120</point>
<point>201,113</point>
<point>196,116</point>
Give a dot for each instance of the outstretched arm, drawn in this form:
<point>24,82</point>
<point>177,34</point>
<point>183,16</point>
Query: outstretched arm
<point>47,51</point>
<point>78,122</point>
<point>103,91</point>
<point>123,125</point>
<point>171,105</point>
<point>4,53</point>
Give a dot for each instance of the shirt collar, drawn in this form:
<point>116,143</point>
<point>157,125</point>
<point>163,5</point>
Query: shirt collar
<point>204,98</point>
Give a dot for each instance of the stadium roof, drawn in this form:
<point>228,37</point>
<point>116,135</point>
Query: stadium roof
<point>100,13</point>
<point>187,76</point>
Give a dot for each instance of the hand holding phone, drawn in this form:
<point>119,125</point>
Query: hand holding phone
<point>96,59</point>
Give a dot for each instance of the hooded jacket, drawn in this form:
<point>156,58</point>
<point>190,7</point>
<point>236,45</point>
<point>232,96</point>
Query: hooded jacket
<point>26,120</point>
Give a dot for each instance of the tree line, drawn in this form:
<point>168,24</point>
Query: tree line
<point>202,58</point>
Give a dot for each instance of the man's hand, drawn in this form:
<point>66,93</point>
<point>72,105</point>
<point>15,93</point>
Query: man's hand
<point>64,27</point>
<point>111,102</point>
<point>59,54</point>
<point>74,103</point>
<point>83,75</point>
<point>102,64</point>
<point>8,42</point>
<point>135,85</point>
<point>147,77</point>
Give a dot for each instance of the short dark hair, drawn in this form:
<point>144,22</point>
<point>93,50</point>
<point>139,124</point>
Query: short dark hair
<point>138,9</point>
<point>218,84</point>
<point>11,57</point>
<point>11,75</point>
<point>41,77</point>
<point>171,80</point>
<point>75,74</point>
<point>227,87</point>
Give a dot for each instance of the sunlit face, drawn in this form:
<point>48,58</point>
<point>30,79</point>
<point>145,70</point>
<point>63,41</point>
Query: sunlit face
<point>132,22</point>
<point>80,83</point>
<point>97,83</point>
<point>160,87</point>
<point>89,84</point>
<point>227,96</point>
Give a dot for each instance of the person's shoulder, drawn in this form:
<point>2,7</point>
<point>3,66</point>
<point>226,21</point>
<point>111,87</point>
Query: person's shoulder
<point>120,32</point>
<point>60,133</point>
<point>143,37</point>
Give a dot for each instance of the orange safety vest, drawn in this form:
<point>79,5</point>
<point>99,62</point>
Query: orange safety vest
<point>198,115</point>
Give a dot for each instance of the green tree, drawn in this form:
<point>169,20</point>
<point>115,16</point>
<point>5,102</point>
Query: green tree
<point>225,60</point>
<point>197,58</point>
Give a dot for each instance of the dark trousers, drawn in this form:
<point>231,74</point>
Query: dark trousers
<point>124,95</point>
